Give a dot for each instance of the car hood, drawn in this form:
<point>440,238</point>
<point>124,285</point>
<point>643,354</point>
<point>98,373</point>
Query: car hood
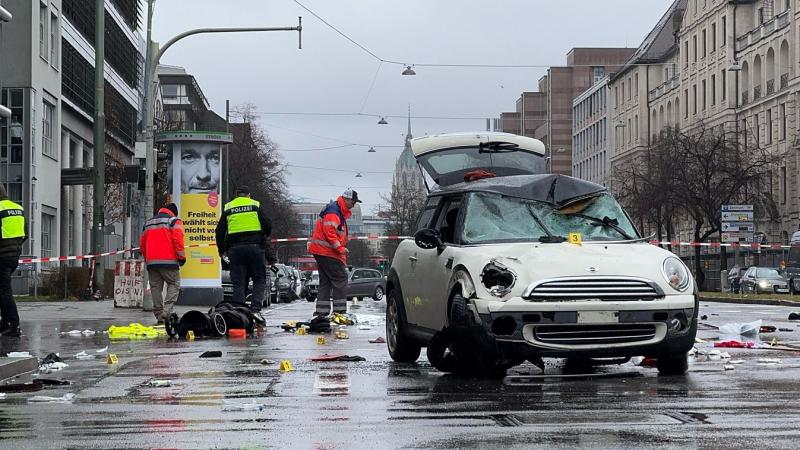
<point>536,261</point>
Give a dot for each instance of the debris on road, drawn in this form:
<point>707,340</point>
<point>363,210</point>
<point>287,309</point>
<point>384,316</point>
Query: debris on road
<point>51,358</point>
<point>267,361</point>
<point>770,361</point>
<point>735,344</point>
<point>211,354</point>
<point>768,329</point>
<point>33,386</point>
<point>337,357</point>
<point>377,340</point>
<point>82,355</point>
<point>66,398</point>
<point>794,316</point>
<point>135,331</point>
<point>743,329</point>
<point>232,405</point>
<point>728,367</point>
<point>79,333</point>
<point>160,383</point>
<point>19,355</point>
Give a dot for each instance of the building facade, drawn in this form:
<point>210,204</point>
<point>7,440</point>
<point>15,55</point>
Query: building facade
<point>50,90</point>
<point>591,135</point>
<point>547,114</point>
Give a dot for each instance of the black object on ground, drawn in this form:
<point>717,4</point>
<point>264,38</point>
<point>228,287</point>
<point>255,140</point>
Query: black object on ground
<point>33,386</point>
<point>51,358</point>
<point>215,323</point>
<point>51,382</point>
<point>785,329</point>
<point>794,316</point>
<point>320,324</point>
<point>704,317</point>
<point>212,354</point>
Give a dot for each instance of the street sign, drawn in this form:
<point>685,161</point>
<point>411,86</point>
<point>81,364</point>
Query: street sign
<point>737,226</point>
<point>737,216</point>
<point>737,236</point>
<point>737,207</point>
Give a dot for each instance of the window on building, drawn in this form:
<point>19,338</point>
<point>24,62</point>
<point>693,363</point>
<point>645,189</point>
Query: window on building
<point>703,44</point>
<point>686,103</point>
<point>768,135</point>
<point>761,15</point>
<point>48,116</point>
<point>598,73</point>
<point>630,88</point>
<point>713,36</point>
<point>694,48</point>
<point>636,126</point>
<point>724,30</point>
<point>636,85</point>
<point>629,131</point>
<point>71,232</point>
<point>43,20</point>
<point>47,234</point>
<point>783,185</point>
<point>713,90</point>
<point>623,92</point>
<point>694,99</point>
<point>686,54</point>
<point>783,121</point>
<point>723,81</point>
<point>704,94</point>
<point>616,96</point>
<point>756,129</point>
<point>54,44</point>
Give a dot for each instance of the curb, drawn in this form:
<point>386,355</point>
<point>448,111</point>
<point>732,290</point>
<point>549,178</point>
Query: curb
<point>12,367</point>
<point>751,301</point>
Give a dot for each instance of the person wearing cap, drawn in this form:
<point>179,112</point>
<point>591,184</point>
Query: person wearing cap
<point>328,244</point>
<point>243,235</point>
<point>13,233</point>
<point>162,247</point>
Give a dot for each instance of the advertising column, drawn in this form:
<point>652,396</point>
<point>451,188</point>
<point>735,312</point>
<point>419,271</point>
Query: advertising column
<point>195,178</point>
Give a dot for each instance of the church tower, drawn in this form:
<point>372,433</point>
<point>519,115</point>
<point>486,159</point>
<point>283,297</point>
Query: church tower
<point>407,174</point>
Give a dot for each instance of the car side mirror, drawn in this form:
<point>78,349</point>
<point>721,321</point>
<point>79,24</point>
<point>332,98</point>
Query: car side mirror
<point>428,238</point>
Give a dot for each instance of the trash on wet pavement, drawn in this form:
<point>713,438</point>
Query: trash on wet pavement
<point>267,361</point>
<point>769,361</point>
<point>377,340</point>
<point>102,350</point>
<point>80,333</point>
<point>66,398</point>
<point>51,358</point>
<point>728,367</point>
<point>365,327</point>
<point>768,329</point>
<point>237,333</point>
<point>82,355</point>
<point>233,405</point>
<point>135,331</point>
<point>211,354</point>
<point>794,316</point>
<point>735,344</point>
<point>736,361</point>
<point>741,328</point>
<point>785,329</point>
<point>52,363</point>
<point>33,386</point>
<point>2,395</point>
<point>19,355</point>
<point>160,383</point>
<point>336,357</point>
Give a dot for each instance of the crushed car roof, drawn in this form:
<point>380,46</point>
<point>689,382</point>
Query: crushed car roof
<point>556,189</point>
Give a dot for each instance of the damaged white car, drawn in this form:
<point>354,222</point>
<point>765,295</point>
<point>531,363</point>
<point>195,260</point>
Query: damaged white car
<point>517,265</point>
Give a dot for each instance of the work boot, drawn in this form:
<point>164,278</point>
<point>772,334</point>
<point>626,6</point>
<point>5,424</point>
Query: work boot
<point>11,331</point>
<point>259,319</point>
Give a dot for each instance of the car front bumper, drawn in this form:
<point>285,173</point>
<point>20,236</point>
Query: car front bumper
<point>588,328</point>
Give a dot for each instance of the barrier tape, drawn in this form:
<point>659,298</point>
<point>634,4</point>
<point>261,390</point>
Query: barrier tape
<point>753,246</point>
<point>135,249</point>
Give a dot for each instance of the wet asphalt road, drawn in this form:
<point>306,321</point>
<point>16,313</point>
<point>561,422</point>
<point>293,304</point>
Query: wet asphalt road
<point>381,404</point>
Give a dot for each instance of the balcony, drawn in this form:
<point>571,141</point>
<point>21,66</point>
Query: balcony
<point>767,28</point>
<point>770,87</point>
<point>756,92</point>
<point>784,81</point>
<point>664,88</point>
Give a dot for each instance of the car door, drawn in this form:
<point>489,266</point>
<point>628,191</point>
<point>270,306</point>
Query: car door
<point>433,273</point>
<point>405,262</point>
<point>355,285</point>
<point>748,279</point>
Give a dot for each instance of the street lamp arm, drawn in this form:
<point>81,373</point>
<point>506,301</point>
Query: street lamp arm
<point>177,38</point>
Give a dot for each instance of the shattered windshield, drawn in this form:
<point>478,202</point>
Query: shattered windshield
<point>495,218</point>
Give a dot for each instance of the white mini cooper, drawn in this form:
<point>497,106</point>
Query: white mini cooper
<point>517,265</point>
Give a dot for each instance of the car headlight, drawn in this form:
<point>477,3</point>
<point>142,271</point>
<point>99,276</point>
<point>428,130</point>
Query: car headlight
<point>676,273</point>
<point>764,283</point>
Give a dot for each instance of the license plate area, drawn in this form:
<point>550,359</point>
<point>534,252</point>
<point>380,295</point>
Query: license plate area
<point>598,317</point>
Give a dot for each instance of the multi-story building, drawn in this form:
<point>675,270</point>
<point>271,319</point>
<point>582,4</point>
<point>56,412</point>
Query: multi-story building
<point>719,63</point>
<point>50,90</point>
<point>547,114</point>
<point>591,135</point>
<point>185,107</point>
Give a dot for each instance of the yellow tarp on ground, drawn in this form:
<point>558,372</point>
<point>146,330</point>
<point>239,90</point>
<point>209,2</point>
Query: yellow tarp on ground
<point>135,331</point>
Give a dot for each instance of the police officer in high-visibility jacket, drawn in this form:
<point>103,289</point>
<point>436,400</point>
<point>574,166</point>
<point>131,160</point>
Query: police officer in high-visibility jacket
<point>12,234</point>
<point>328,244</point>
<point>243,234</point>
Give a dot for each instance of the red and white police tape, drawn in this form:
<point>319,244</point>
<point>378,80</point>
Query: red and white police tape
<point>119,252</point>
<point>385,238</point>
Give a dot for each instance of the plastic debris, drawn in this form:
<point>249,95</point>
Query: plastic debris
<point>770,361</point>
<point>134,331</point>
<point>2,395</point>
<point>66,398</point>
<point>83,355</point>
<point>365,327</point>
<point>19,355</point>
<point>734,344</point>
<point>232,405</point>
<point>52,367</point>
<point>768,329</point>
<point>267,361</point>
<point>728,367</point>
<point>212,354</point>
<point>743,329</point>
<point>377,340</point>
<point>737,361</point>
<point>102,350</point>
<point>785,329</point>
<point>160,383</point>
<point>79,333</point>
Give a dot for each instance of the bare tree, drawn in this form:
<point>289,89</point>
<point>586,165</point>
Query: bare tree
<point>402,207</point>
<point>359,253</point>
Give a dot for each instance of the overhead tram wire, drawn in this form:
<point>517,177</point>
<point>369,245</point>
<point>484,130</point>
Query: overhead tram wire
<point>308,133</point>
<point>391,116</point>
<point>339,170</point>
<point>454,65</point>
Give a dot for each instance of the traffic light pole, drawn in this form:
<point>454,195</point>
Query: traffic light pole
<point>154,54</point>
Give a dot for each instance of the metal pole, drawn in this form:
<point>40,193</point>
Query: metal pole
<point>227,194</point>
<point>99,137</point>
<point>149,97</point>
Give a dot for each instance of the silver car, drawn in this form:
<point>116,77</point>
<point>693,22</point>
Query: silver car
<point>762,280</point>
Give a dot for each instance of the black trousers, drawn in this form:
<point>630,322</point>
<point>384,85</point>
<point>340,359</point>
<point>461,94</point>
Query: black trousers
<point>332,282</point>
<point>248,262</point>
<point>8,307</point>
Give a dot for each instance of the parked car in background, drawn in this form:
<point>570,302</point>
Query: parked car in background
<point>735,277</point>
<point>312,286</point>
<point>764,280</point>
<point>365,283</point>
<point>281,290</point>
<point>299,283</point>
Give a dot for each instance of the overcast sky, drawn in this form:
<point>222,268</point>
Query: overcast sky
<point>332,75</point>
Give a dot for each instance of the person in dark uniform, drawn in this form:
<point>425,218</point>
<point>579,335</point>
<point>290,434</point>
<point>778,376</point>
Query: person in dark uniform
<point>243,234</point>
<point>12,235</point>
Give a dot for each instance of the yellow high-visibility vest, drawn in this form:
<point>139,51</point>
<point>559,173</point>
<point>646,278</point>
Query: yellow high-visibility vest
<point>12,220</point>
<point>242,215</point>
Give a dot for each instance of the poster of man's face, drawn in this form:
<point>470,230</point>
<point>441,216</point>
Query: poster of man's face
<point>199,167</point>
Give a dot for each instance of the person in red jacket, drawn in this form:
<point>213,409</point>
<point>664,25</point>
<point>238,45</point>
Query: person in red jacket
<point>162,248</point>
<point>328,244</point>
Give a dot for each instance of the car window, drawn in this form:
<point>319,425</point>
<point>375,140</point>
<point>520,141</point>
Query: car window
<point>373,274</point>
<point>358,274</point>
<point>493,218</point>
<point>425,217</point>
<point>447,220</point>
<point>768,273</point>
